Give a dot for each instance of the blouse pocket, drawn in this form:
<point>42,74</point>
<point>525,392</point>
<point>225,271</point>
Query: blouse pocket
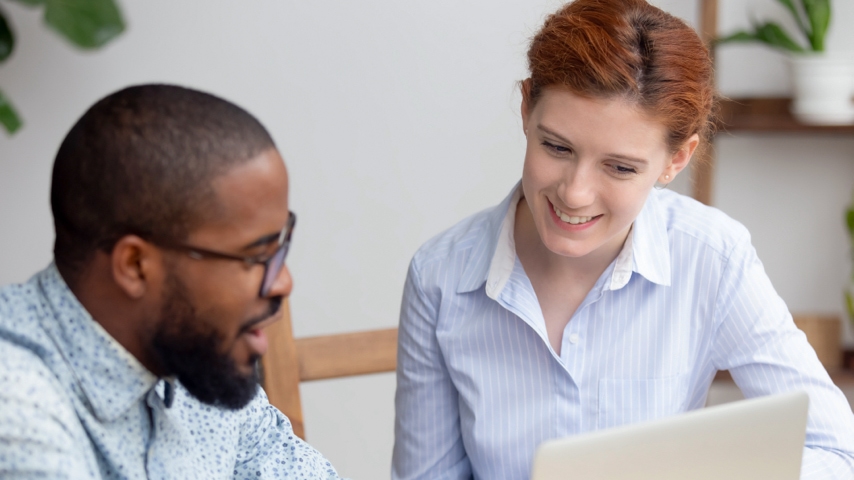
<point>624,401</point>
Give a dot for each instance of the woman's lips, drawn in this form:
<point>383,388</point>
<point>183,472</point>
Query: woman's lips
<point>572,221</point>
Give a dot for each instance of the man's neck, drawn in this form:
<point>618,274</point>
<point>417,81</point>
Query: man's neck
<point>123,318</point>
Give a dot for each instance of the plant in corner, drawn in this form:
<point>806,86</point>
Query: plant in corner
<point>812,19</point>
<point>88,24</point>
<point>822,81</point>
<point>849,293</point>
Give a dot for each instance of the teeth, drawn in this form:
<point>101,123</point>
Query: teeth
<point>571,220</point>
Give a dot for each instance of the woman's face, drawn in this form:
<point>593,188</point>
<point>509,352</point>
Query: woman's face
<point>589,166</point>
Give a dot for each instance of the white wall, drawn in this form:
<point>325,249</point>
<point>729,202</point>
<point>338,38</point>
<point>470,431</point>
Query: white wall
<point>396,120</point>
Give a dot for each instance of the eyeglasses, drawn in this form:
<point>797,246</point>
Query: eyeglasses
<point>272,264</point>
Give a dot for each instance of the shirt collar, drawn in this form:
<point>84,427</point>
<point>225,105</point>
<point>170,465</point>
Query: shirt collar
<point>650,245</point>
<point>111,378</point>
<point>478,265</point>
<point>646,250</point>
<point>504,255</point>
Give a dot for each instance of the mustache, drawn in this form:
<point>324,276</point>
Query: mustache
<point>273,307</point>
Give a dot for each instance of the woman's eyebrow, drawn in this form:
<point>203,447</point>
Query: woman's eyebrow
<point>641,161</point>
<point>553,133</point>
<point>620,156</point>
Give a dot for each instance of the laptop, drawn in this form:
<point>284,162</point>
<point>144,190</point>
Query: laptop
<point>759,438</point>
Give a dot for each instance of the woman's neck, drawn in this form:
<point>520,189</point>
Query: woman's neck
<point>539,260</point>
<point>561,283</point>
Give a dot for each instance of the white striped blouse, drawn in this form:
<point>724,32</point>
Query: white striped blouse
<point>479,386</point>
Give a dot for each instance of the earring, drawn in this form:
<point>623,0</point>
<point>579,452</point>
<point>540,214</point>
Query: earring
<point>662,186</point>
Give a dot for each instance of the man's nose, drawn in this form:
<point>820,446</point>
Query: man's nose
<point>283,284</point>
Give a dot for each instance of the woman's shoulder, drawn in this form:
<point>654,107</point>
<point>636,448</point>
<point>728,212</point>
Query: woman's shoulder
<point>688,219</point>
<point>475,232</point>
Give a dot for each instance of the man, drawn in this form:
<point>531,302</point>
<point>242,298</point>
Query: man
<point>134,354</point>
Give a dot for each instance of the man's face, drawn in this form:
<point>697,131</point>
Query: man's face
<point>210,334</point>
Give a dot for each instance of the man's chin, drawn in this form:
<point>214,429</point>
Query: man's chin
<point>231,392</point>
<point>248,371</point>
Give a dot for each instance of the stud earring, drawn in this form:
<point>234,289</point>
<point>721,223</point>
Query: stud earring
<point>662,186</point>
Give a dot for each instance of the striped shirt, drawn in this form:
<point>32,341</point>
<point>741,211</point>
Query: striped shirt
<point>479,386</point>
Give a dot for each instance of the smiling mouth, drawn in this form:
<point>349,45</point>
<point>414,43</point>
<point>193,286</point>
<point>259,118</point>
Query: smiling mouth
<point>572,220</point>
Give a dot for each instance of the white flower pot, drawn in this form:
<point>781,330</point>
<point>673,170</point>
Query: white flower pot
<point>823,87</point>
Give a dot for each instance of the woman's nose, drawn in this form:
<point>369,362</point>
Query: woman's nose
<point>578,188</point>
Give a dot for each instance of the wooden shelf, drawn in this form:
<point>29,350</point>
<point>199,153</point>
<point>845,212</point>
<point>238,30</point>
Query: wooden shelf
<point>767,115</point>
<point>744,115</point>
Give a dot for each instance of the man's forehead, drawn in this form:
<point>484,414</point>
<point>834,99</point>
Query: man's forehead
<point>259,178</point>
<point>251,199</point>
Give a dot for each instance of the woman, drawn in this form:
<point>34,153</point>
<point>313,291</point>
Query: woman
<point>588,298</point>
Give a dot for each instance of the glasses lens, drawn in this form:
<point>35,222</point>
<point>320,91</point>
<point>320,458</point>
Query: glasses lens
<point>274,266</point>
<point>275,263</point>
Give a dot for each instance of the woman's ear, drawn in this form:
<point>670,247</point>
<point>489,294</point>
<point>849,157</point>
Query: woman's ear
<point>680,159</point>
<point>135,263</point>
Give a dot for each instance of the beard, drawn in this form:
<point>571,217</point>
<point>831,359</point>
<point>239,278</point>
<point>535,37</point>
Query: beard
<point>186,345</point>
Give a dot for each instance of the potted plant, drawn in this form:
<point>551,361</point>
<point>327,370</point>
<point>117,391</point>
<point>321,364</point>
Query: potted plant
<point>823,82</point>
<point>88,24</point>
<point>849,293</point>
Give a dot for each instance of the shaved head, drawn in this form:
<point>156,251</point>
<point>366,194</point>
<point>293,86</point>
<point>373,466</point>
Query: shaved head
<point>141,162</point>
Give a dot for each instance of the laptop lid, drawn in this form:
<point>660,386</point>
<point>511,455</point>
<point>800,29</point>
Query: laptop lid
<point>751,439</point>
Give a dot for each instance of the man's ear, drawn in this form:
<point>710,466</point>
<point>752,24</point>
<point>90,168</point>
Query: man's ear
<point>135,264</point>
<point>680,159</point>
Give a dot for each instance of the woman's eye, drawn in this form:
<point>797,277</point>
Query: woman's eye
<point>556,148</point>
<point>623,170</point>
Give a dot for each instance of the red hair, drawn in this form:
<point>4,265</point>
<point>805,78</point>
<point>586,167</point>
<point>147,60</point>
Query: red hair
<point>629,49</point>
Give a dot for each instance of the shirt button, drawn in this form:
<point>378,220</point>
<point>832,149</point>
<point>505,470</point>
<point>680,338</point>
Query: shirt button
<point>573,339</point>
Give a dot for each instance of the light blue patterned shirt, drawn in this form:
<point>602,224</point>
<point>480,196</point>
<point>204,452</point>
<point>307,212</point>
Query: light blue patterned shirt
<point>479,386</point>
<point>75,404</point>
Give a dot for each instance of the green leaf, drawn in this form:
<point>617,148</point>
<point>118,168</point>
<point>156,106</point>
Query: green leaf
<point>849,302</point>
<point>7,40</point>
<point>8,116</point>
<point>31,3</point>
<point>818,12</point>
<point>768,33</point>
<point>86,23</point>
<point>740,36</point>
<point>775,36</point>
<point>849,219</point>
<point>790,5</point>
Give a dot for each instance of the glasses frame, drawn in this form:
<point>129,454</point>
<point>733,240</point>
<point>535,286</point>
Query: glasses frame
<point>269,261</point>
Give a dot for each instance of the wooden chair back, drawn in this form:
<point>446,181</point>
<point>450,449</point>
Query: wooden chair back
<point>290,361</point>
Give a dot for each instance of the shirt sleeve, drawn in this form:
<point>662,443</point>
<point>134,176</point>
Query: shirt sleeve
<point>269,448</point>
<point>765,352</point>
<point>427,437</point>
<point>40,436</point>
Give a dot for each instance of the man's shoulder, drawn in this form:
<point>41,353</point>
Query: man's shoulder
<point>24,368</point>
<point>27,380</point>
<point>21,312</point>
<point>40,431</point>
<point>29,388</point>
